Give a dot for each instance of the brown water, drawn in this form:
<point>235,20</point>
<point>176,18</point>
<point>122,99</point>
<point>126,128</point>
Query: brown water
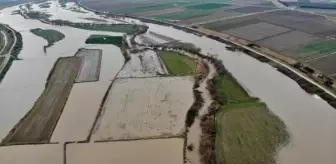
<point>158,151</point>
<point>32,154</point>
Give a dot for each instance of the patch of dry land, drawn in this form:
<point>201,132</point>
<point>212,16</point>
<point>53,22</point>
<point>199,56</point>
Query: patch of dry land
<point>90,67</point>
<point>80,111</point>
<point>32,154</point>
<point>163,151</point>
<point>144,108</point>
<point>38,124</point>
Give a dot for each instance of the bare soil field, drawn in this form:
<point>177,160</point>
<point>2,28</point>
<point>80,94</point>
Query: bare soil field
<point>257,31</point>
<point>32,154</point>
<point>49,106</point>
<point>163,151</point>
<point>145,108</point>
<point>217,15</point>
<point>80,111</point>
<point>251,9</point>
<point>160,11</point>
<point>325,64</point>
<point>143,64</point>
<point>288,40</point>
<point>90,67</point>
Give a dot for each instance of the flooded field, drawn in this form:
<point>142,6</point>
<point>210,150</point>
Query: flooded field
<point>144,108</point>
<point>90,67</point>
<point>48,107</point>
<point>163,151</point>
<point>80,111</point>
<point>32,154</point>
<point>18,86</point>
<point>143,64</point>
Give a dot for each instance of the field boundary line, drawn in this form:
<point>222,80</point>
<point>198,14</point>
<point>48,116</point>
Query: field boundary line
<point>181,136</point>
<point>32,143</point>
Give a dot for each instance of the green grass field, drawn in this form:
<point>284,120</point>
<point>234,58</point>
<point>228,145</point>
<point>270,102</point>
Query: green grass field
<point>104,39</point>
<point>248,134</point>
<point>324,47</point>
<point>246,131</point>
<point>122,28</point>
<point>52,36</point>
<point>178,65</point>
<point>229,90</point>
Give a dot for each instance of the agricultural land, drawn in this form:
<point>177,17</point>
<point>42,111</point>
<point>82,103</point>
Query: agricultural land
<point>178,64</point>
<point>169,81</point>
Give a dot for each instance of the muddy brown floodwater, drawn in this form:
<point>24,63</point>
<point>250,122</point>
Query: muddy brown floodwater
<point>160,151</point>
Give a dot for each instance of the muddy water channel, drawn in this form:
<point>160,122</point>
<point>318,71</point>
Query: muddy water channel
<point>310,121</point>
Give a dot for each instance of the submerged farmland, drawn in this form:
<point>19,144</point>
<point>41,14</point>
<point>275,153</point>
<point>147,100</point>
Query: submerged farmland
<point>49,106</point>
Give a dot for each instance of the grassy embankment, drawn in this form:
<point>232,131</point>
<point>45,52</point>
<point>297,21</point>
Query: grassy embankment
<point>104,39</point>
<point>52,36</point>
<point>177,64</point>
<point>246,131</point>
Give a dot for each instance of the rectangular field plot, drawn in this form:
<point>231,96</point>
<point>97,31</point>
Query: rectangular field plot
<point>80,111</point>
<point>143,64</point>
<point>90,67</point>
<point>32,154</point>
<point>257,31</point>
<point>145,108</point>
<point>162,151</point>
<point>38,124</point>
<point>326,65</point>
<point>251,9</point>
<point>288,40</point>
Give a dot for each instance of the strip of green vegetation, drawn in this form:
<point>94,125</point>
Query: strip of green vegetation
<point>323,47</point>
<point>123,28</point>
<point>104,39</point>
<point>186,14</point>
<point>229,89</point>
<point>52,36</point>
<point>246,131</point>
<point>177,64</point>
<point>207,6</point>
